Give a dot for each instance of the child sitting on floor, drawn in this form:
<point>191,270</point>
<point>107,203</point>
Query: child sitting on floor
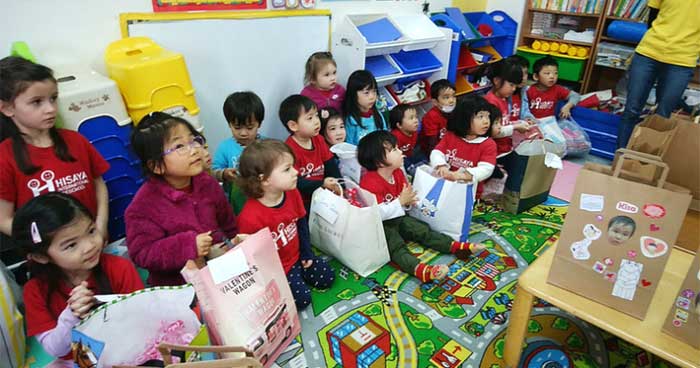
<point>544,95</point>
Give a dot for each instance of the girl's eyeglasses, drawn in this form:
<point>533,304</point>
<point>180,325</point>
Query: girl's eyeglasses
<point>183,149</point>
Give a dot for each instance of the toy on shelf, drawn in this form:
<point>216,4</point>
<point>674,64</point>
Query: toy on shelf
<point>152,78</point>
<point>414,92</point>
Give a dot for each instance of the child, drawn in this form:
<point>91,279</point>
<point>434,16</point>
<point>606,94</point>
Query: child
<point>269,179</point>
<point>518,110</point>
<point>320,81</point>
<point>314,160</point>
<point>466,152</point>
<point>505,77</point>
<point>361,114</point>
<point>435,120</point>
<point>37,157</point>
<point>173,215</point>
<point>64,248</point>
<point>332,126</point>
<point>378,153</point>
<point>544,95</point>
<point>404,121</point>
<point>620,229</point>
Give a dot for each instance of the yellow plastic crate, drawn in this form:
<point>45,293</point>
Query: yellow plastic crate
<point>151,78</point>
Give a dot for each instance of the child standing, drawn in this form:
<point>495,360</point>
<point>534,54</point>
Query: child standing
<point>545,93</point>
<point>435,120</point>
<point>37,157</point>
<point>466,152</point>
<point>361,114</point>
<point>332,126</point>
<point>269,178</point>
<point>314,160</point>
<point>173,215</point>
<point>379,154</point>
<point>404,121</point>
<point>64,248</point>
<point>320,81</point>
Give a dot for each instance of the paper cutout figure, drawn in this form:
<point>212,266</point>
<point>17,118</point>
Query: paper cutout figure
<point>579,249</point>
<point>652,247</point>
<point>592,202</point>
<point>620,229</point>
<point>627,279</point>
<point>598,267</point>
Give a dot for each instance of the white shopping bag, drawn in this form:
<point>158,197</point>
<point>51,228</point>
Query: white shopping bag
<point>353,235</point>
<point>348,165</point>
<point>443,204</point>
<point>552,132</point>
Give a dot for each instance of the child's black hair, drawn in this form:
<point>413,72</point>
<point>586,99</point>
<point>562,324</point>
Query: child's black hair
<point>519,60</point>
<point>292,107</point>
<point>371,151</point>
<point>545,61</point>
<point>460,121</point>
<point>149,136</point>
<point>505,70</point>
<point>48,214</point>
<point>397,113</point>
<point>359,80</point>
<point>326,114</point>
<point>624,221</point>
<point>240,107</point>
<point>16,75</point>
<point>438,86</point>
<point>495,113</point>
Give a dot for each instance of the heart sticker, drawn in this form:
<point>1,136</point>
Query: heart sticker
<point>610,276</point>
<point>632,254</point>
<point>652,247</point>
<point>645,282</point>
<point>654,227</point>
<point>655,211</point>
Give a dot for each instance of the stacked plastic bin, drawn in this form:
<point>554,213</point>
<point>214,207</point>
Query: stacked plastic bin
<point>90,103</point>
<point>152,78</point>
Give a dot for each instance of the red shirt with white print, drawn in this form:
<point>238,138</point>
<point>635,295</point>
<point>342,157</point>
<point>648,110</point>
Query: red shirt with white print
<point>462,154</point>
<point>434,123</point>
<point>404,142</point>
<point>309,162</point>
<point>503,144</point>
<point>515,104</point>
<point>544,103</point>
<point>281,221</point>
<point>384,191</point>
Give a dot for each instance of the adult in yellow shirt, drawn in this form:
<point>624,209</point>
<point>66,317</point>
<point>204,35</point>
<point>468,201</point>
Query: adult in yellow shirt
<point>667,55</point>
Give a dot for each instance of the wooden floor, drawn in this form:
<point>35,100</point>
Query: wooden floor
<point>689,237</point>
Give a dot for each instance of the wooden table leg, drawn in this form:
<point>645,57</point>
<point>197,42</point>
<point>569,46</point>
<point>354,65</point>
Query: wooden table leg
<point>517,327</point>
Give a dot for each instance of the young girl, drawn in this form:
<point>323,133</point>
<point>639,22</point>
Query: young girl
<point>505,76</point>
<point>37,157</point>
<point>64,248</point>
<point>361,114</point>
<point>379,154</point>
<point>320,81</point>
<point>180,212</point>
<point>268,178</point>
<point>332,126</point>
<point>466,152</point>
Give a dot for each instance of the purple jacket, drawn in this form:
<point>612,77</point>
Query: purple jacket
<point>163,222</point>
<point>335,99</point>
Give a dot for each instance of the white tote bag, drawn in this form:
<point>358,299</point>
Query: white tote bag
<point>443,204</point>
<point>348,164</point>
<point>353,235</point>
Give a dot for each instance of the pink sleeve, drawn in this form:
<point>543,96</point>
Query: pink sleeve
<point>57,341</point>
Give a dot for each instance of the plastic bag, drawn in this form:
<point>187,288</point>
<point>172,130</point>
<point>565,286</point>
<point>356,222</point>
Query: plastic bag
<point>577,141</point>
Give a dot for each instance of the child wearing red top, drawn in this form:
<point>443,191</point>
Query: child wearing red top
<point>378,153</point>
<point>404,121</point>
<point>467,153</point>
<point>544,95</point>
<point>314,160</point>
<point>442,93</point>
<point>64,249</point>
<point>269,179</point>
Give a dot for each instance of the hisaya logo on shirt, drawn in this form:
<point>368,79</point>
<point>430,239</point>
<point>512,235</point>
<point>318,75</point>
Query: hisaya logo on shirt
<point>538,104</point>
<point>311,170</point>
<point>285,233</point>
<point>457,162</point>
<point>388,198</point>
<point>68,184</point>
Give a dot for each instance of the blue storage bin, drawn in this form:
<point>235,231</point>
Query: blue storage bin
<point>416,61</point>
<point>508,24</point>
<point>478,18</point>
<point>603,145</point>
<point>118,205</point>
<point>379,66</point>
<point>122,185</point>
<point>120,166</point>
<point>380,30</point>
<point>105,126</point>
<point>116,228</point>
<point>595,120</point>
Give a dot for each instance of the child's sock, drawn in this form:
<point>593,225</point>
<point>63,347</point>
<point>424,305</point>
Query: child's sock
<point>464,250</point>
<point>427,273</point>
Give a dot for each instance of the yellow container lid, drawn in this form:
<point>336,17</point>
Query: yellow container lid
<point>582,52</point>
<point>572,51</point>
<point>563,48</point>
<point>536,45</point>
<point>545,46</point>
<point>554,46</point>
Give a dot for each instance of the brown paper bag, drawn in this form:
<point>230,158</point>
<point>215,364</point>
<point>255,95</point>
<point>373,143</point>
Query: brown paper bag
<point>617,236</point>
<point>653,136</point>
<point>683,157</point>
<point>529,179</point>
<point>683,321</point>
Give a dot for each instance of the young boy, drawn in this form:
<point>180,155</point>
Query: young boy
<point>314,160</point>
<point>518,111</point>
<point>435,121</point>
<point>377,152</point>
<point>244,113</point>
<point>404,120</point>
<point>545,93</point>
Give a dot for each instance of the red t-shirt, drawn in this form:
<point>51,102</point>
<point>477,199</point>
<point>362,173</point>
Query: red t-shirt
<point>74,178</point>
<point>404,142</point>
<point>281,221</point>
<point>385,191</point>
<point>461,154</point>
<point>544,103</point>
<point>43,311</point>
<point>503,144</point>
<point>515,102</point>
<point>434,123</point>
<point>309,162</point>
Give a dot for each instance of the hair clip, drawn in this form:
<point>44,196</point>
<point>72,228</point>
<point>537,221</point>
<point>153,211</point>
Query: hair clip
<point>36,237</point>
<point>325,114</point>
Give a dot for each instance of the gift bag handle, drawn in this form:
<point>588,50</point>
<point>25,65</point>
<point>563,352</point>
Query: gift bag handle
<point>166,349</point>
<point>643,157</point>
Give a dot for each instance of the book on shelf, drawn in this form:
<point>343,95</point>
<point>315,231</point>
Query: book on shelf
<point>571,6</point>
<point>632,9</point>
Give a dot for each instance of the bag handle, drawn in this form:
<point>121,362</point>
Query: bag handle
<point>628,154</point>
<point>166,349</point>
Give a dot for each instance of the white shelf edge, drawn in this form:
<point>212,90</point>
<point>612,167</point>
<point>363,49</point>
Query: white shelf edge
<point>386,80</point>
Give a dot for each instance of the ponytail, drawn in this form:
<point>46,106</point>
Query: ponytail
<point>505,69</point>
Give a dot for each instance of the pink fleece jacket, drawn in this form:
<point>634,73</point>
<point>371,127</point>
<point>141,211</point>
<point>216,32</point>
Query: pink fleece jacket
<point>334,99</point>
<point>163,222</point>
